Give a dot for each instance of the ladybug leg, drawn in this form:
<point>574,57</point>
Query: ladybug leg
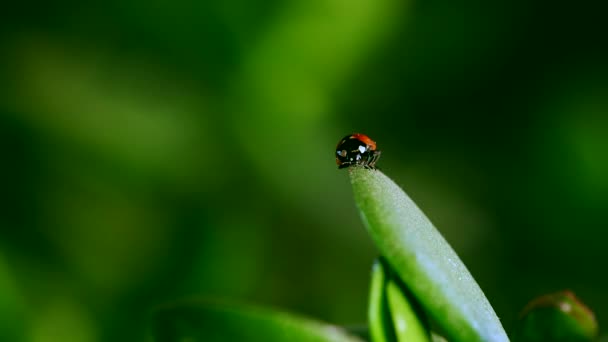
<point>374,159</point>
<point>369,163</point>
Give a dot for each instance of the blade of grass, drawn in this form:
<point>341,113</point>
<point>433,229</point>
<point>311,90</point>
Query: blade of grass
<point>423,260</point>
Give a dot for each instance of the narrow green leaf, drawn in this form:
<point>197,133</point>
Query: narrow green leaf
<point>392,317</point>
<point>407,322</point>
<point>423,260</point>
<point>199,320</point>
<point>380,325</point>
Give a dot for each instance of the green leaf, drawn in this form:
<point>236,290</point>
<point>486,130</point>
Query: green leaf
<point>407,322</point>
<point>377,310</point>
<point>423,260</point>
<point>378,314</point>
<point>199,320</point>
<point>392,314</point>
<point>556,317</point>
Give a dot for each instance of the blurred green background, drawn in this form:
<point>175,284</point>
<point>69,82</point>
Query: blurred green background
<point>152,150</point>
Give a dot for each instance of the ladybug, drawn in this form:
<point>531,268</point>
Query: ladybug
<point>357,149</point>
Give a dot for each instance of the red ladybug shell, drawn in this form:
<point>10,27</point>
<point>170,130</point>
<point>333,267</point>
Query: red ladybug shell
<point>365,139</point>
<point>356,149</point>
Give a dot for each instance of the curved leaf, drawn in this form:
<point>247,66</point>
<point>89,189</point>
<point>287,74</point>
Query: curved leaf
<point>407,322</point>
<point>392,314</point>
<point>199,320</point>
<point>378,314</point>
<point>423,260</point>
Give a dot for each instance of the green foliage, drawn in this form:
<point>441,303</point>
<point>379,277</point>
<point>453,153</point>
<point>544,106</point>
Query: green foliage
<point>176,148</point>
<point>378,312</point>
<point>423,260</point>
<point>556,317</point>
<point>393,315</point>
<point>197,320</point>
